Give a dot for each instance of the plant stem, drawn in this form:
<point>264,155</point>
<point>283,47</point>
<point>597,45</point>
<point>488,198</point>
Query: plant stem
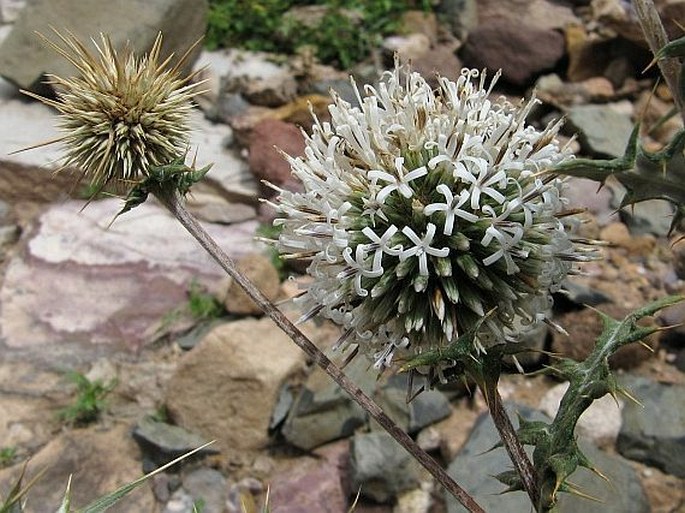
<point>510,440</point>
<point>172,201</point>
<point>656,37</point>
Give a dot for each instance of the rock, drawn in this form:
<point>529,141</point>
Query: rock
<point>538,14</point>
<point>268,139</point>
<point>407,47</point>
<point>425,409</point>
<point>216,209</point>
<point>419,22</point>
<point>207,487</point>
<point>600,423</point>
<point>584,326</point>
<point>461,16</point>
<point>225,388</point>
<point>415,501</point>
<point>603,129</point>
<point>314,484</point>
<point>679,260</point>
<point>588,55</point>
<point>323,412</point>
<point>381,467</point>
<point>649,217</point>
<point>618,234</point>
<point>162,442</point>
<point>24,58</point>
<point>296,112</point>
<point>583,192</point>
<point>111,286</point>
<point>623,495</point>
<point>272,91</point>
<point>618,16</point>
<point>581,294</point>
<point>100,460</point>
<point>440,60</point>
<point>10,10</point>
<point>521,52</point>
<point>259,269</point>
<point>653,432</point>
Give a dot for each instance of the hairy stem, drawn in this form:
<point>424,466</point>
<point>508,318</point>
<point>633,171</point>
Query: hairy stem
<point>510,440</point>
<point>656,37</point>
<point>172,201</point>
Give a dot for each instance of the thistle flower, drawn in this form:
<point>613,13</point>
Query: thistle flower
<point>422,211</point>
<point>123,114</point>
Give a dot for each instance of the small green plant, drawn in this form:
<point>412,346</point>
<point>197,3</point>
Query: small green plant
<point>7,455</point>
<point>90,399</point>
<point>202,305</point>
<point>344,35</point>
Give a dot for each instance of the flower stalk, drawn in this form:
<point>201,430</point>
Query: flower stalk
<point>172,201</point>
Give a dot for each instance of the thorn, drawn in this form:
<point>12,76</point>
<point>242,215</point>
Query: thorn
<point>630,397</point>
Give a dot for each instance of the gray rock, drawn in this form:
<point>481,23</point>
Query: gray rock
<point>649,217</point>
<point>10,9</point>
<point>461,16</point>
<point>381,467</point>
<point>323,412</point>
<point>474,466</point>
<point>581,294</point>
<point>654,432</point>
<point>163,442</point>
<point>603,129</point>
<point>342,87</point>
<point>207,487</point>
<point>24,58</point>
<point>425,409</point>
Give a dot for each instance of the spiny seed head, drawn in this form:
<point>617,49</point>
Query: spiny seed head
<point>422,211</point>
<point>123,114</point>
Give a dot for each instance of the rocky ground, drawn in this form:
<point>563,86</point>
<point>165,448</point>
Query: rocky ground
<point>120,304</point>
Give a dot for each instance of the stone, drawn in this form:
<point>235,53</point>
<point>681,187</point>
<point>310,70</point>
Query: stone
<point>522,52</point>
<point>618,16</point>
<point>420,22</point>
<point>273,91</point>
<point>603,129</point>
<point>323,412</point>
<point>10,10</point>
<point>475,465</point>
<point>418,500</point>
<point>584,326</point>
<point>538,14</point>
<point>425,409</point>
<point>600,423</point>
<point>162,442</point>
<point>268,139</point>
<point>258,269</point>
<point>225,388</point>
<point>208,487</point>
<point>108,286</point>
<point>652,217</point>
<point>381,467</point>
<point>314,484</point>
<point>588,55</point>
<point>24,58</point>
<point>582,294</point>
<point>407,47</point>
<point>653,432</point>
<point>440,60</point>
<point>213,208</point>
<point>100,461</point>
<point>461,16</point>
<point>583,192</point>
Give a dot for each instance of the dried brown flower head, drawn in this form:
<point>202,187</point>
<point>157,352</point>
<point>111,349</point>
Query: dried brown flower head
<point>123,114</point>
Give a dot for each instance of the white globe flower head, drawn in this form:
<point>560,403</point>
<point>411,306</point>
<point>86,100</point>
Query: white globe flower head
<point>422,211</point>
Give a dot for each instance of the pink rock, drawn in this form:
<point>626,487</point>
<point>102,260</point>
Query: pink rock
<point>266,162</point>
<point>315,485</point>
<point>520,51</point>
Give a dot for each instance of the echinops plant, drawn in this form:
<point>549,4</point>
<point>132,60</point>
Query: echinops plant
<point>433,221</point>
